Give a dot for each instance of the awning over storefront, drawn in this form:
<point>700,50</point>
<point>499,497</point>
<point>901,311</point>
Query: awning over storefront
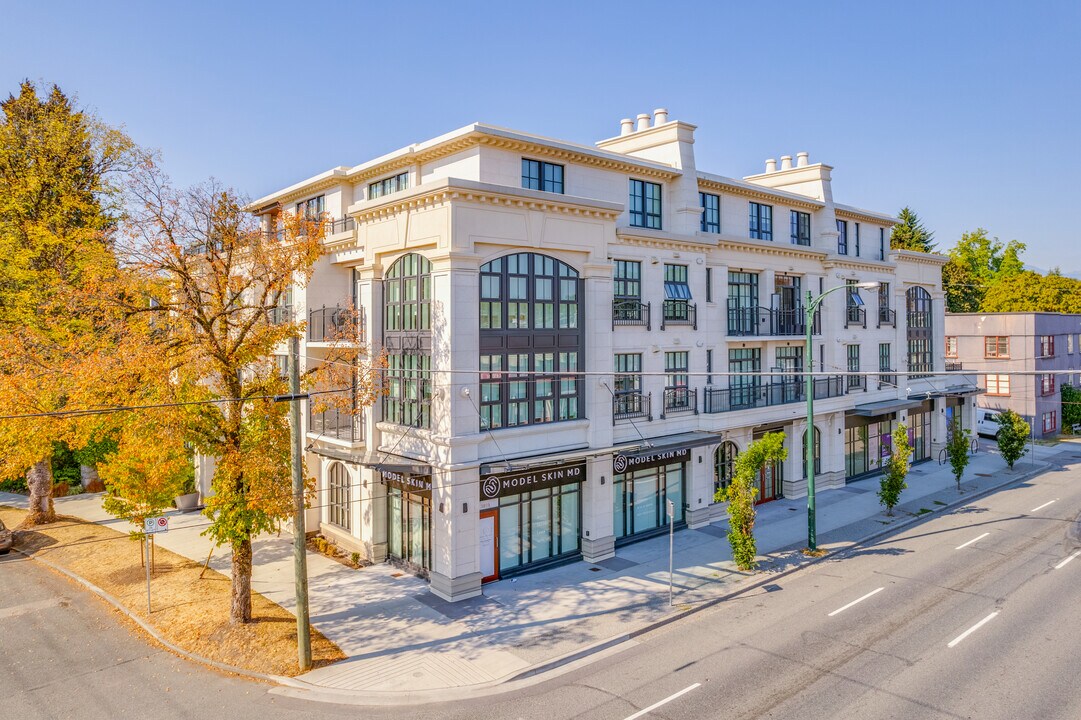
<point>647,446</point>
<point>884,406</point>
<point>381,461</point>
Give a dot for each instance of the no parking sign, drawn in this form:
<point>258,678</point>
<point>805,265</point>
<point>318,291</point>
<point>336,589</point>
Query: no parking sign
<point>158,524</point>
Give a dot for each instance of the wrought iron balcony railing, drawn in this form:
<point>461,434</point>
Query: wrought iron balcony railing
<point>679,312</point>
<point>327,324</point>
<point>631,404</point>
<point>680,399</point>
<point>855,315</point>
<point>887,317</point>
<point>630,312</point>
<point>759,395</point>
<point>760,321</point>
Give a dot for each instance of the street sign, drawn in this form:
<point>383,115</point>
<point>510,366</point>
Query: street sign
<point>156,525</point>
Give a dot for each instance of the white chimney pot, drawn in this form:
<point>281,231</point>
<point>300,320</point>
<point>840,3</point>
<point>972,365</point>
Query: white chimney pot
<point>660,116</point>
<point>801,159</point>
<point>643,121</point>
<point>786,162</point>
<point>626,126</point>
<point>771,165</point>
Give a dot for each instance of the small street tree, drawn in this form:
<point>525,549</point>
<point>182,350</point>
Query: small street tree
<point>742,493</point>
<point>957,449</point>
<point>896,470</point>
<point>1012,436</point>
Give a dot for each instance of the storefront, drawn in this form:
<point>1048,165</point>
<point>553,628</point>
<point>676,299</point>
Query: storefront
<point>409,519</point>
<point>919,430</point>
<point>867,445</point>
<point>642,485</point>
<point>530,518</point>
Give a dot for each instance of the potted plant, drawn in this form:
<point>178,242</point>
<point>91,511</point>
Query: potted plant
<point>188,500</point>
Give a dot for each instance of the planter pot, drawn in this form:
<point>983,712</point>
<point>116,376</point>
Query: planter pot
<point>187,503</point>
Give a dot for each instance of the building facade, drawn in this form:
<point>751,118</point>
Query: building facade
<point>1044,349</point>
<point>576,335</point>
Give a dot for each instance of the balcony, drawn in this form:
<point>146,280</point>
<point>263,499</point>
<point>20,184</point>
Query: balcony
<point>954,366</point>
<point>680,399</point>
<point>887,380</point>
<point>630,312</point>
<point>631,404</point>
<point>679,312</point>
<point>333,423</point>
<point>748,397</point>
<point>856,316</point>
<point>328,324</point>
<point>345,224</point>
<point>760,321</point>
<point>887,317</point>
<point>856,383</point>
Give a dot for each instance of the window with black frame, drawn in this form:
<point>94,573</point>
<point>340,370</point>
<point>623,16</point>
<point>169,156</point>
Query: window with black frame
<point>761,221</point>
<point>677,294</point>
<point>742,303</point>
<point>388,186</point>
<point>919,331</point>
<point>724,465</point>
<point>711,212</point>
<point>745,366</point>
<point>530,341</point>
<point>540,175</point>
<point>645,204</point>
<point>627,307</point>
<point>800,228</point>
<point>407,339</point>
<point>628,400</point>
<point>339,496</point>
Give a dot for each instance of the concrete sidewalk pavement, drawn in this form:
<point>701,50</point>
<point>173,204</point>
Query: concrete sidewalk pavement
<point>401,638</point>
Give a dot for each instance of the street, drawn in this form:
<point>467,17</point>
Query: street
<point>971,614</point>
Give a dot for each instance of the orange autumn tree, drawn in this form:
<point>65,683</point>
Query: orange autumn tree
<point>220,326</point>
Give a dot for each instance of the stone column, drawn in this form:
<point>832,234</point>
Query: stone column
<point>598,540</point>
<point>455,572</point>
<point>700,486</point>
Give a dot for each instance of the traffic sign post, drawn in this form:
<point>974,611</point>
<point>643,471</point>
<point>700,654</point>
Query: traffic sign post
<point>671,508</point>
<point>152,526</point>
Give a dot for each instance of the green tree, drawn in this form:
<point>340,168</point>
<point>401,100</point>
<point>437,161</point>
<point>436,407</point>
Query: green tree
<point>1028,291</point>
<point>957,448</point>
<point>1071,406</point>
<point>896,470</point>
<point>742,492</point>
<point>1012,437</point>
<point>976,263</point>
<point>58,213</point>
<point>910,234</point>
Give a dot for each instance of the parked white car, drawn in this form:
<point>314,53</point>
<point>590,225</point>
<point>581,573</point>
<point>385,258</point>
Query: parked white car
<point>987,422</point>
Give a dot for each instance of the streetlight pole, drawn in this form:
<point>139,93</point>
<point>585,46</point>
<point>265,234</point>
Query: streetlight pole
<point>808,388</point>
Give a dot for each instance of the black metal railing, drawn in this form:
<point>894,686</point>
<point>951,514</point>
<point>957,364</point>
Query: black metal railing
<point>856,382</point>
<point>679,312</point>
<point>630,312</point>
<point>855,315</point>
<point>887,380</point>
<point>887,317</point>
<point>680,399</point>
<point>327,324</point>
<point>759,395</point>
<point>745,321</point>
<point>630,404</point>
<point>340,225</point>
<point>333,423</point>
<point>954,366</point>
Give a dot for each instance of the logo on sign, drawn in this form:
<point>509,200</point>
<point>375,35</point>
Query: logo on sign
<point>490,487</point>
<point>619,464</point>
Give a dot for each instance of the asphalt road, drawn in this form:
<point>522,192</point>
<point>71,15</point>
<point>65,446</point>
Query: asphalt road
<point>971,614</point>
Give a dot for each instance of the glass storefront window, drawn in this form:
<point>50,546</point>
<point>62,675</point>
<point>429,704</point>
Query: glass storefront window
<point>538,526</point>
<point>409,527</point>
<point>640,495</point>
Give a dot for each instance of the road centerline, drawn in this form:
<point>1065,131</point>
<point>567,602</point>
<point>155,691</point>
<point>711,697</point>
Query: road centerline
<point>857,600</point>
<point>1064,562</point>
<point>971,630</point>
<point>1041,507</point>
<point>975,539</point>
<point>668,699</point>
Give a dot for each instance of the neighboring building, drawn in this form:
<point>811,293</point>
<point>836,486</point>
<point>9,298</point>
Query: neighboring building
<point>560,323</point>
<point>1043,345</point>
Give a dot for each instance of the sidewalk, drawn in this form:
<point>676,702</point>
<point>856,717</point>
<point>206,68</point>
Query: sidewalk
<point>399,637</point>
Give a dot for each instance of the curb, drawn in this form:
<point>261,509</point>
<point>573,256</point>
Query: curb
<point>274,679</point>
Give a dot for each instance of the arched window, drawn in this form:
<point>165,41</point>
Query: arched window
<point>530,341</point>
<point>920,331</point>
<point>724,464</point>
<point>817,452</point>
<point>338,495</point>
<point>407,337</point>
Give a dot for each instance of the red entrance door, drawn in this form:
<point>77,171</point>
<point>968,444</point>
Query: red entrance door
<point>489,545</point>
<point>769,480</point>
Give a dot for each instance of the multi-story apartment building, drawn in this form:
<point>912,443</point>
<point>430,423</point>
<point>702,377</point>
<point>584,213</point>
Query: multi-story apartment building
<point>1043,349</point>
<point>576,335</point>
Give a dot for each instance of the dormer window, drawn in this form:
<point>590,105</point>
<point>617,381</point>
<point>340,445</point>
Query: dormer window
<point>540,175</point>
<point>388,186</point>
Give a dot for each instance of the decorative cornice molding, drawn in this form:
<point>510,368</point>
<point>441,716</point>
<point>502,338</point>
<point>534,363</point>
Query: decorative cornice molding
<point>853,214</point>
<point>769,248</point>
<point>760,193</point>
<point>607,163</point>
<point>865,265</point>
<point>644,237</point>
<point>920,258</point>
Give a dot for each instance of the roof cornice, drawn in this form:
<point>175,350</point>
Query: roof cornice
<point>761,193</point>
<point>770,248</point>
<point>920,258</point>
<point>644,237</point>
<point>848,212</point>
<point>865,265</point>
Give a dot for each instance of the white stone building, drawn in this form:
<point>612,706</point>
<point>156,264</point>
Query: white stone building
<point>561,321</point>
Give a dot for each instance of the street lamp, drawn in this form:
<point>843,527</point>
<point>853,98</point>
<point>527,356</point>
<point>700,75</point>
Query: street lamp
<point>808,442</point>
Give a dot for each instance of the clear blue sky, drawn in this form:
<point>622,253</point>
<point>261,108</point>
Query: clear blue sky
<point>967,111</point>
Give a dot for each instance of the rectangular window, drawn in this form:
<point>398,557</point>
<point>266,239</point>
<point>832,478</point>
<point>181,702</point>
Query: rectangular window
<point>855,380</point>
<point>709,286</point>
<point>1069,343</point>
<point>645,204</point>
<point>1047,385</point>
<point>387,186</point>
<point>1047,346</point>
<point>311,209</point>
<point>709,367</point>
<point>998,385</point>
<point>842,237</point>
<point>885,363</point>
<point>540,175</point>
<point>761,221</point>
<point>884,314</point>
<point>1050,421</point>
<point>628,280</point>
<point>711,212</point>
<point>676,368</point>
<point>882,243</point>
<point>856,227</point>
<point>951,346</point>
<point>801,228</point>
<point>996,346</point>
<point>409,390</point>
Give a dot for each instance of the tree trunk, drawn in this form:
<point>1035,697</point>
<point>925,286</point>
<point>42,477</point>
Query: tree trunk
<point>39,478</point>
<point>240,611</point>
<point>88,474</point>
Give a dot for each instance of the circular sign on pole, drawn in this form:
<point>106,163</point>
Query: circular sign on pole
<point>163,522</point>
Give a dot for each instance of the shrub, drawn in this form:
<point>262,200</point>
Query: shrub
<point>15,485</point>
<point>60,490</point>
<point>95,486</point>
<point>355,559</point>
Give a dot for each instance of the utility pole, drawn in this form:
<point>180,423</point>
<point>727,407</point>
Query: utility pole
<point>300,558</point>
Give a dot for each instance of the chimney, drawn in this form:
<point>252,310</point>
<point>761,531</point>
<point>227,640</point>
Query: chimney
<point>643,121</point>
<point>660,116</point>
<point>801,159</point>
<point>786,162</point>
<point>626,126</point>
<point>771,165</point>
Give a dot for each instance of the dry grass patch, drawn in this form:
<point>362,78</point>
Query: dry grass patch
<point>190,612</point>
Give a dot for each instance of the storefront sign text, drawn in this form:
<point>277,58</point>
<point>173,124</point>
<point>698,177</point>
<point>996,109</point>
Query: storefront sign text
<point>513,483</point>
<point>626,463</point>
<point>421,484</point>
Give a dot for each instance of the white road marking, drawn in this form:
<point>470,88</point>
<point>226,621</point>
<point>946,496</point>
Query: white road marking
<point>857,600</point>
<point>1063,563</point>
<point>668,699</point>
<point>981,537</point>
<point>971,630</point>
<point>1042,506</point>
